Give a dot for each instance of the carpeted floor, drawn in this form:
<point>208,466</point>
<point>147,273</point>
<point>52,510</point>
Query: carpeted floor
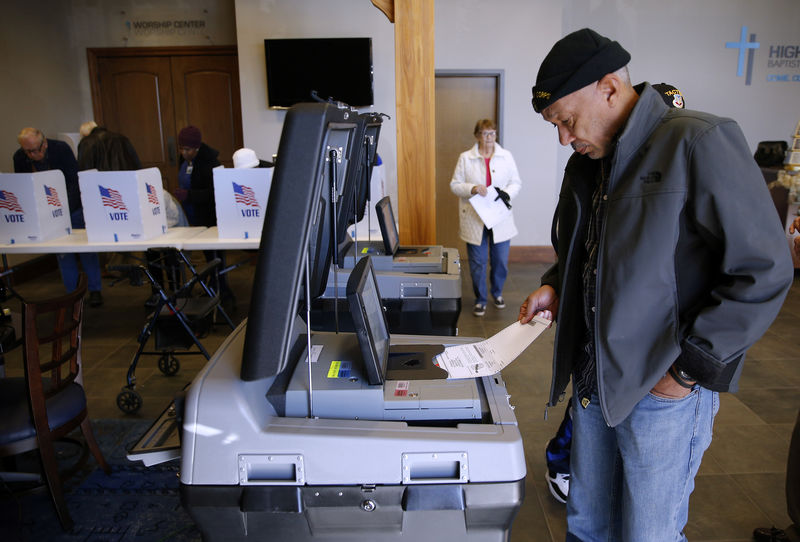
<point>133,503</point>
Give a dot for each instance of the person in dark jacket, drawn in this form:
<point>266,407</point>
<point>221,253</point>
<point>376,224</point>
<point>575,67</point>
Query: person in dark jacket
<point>659,288</point>
<point>196,178</point>
<point>104,150</point>
<point>196,192</point>
<point>38,153</point>
<point>557,451</point>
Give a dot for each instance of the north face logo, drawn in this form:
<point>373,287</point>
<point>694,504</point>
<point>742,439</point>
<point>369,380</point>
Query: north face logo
<point>652,177</point>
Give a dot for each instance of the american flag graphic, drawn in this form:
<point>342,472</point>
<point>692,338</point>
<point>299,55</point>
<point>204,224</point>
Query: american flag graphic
<point>111,198</point>
<point>52,196</point>
<point>244,195</point>
<point>152,197</point>
<point>9,201</point>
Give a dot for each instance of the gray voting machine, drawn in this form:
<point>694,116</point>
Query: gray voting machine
<point>420,285</point>
<point>288,434</point>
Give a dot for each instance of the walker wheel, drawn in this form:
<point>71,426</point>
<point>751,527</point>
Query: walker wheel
<point>168,364</point>
<point>129,400</point>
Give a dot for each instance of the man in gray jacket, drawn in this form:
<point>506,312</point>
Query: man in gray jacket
<point>671,264</point>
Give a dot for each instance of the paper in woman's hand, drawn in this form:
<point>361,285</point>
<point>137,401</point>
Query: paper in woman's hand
<point>491,209</point>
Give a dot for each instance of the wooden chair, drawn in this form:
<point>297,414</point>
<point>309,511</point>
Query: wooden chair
<point>49,402</point>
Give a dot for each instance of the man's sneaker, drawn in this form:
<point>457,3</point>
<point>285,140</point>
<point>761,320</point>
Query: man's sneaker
<point>95,299</point>
<point>479,309</point>
<point>558,483</point>
<point>499,302</point>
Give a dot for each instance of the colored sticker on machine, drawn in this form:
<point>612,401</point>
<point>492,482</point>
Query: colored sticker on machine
<point>401,389</point>
<point>339,369</point>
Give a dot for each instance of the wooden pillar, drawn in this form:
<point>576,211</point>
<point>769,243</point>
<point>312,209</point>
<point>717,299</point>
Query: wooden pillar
<point>415,117</point>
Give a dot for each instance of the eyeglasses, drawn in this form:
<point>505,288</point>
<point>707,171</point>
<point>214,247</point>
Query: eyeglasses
<point>36,150</point>
<point>489,133</point>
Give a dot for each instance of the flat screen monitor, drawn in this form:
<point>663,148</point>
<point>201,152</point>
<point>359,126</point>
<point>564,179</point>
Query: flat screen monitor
<point>391,239</point>
<point>369,319</point>
<point>335,68</point>
<point>351,166</point>
<point>297,227</point>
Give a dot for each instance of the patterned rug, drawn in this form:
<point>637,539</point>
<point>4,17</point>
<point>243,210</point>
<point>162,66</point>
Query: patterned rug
<point>132,503</point>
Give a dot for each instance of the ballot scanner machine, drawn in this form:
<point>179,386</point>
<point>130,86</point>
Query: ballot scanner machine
<point>291,434</point>
<point>420,285</point>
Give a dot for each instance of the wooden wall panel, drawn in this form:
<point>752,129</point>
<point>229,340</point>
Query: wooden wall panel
<point>416,133</point>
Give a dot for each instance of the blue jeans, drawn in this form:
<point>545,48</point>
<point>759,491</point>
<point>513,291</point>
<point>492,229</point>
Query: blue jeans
<point>68,263</point>
<point>632,482</point>
<point>478,256</point>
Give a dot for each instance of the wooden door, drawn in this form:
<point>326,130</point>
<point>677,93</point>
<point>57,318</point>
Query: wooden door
<point>150,93</point>
<point>206,94</point>
<point>462,98</point>
<point>134,95</point>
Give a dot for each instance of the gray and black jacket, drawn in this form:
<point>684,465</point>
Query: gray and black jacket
<point>693,263</point>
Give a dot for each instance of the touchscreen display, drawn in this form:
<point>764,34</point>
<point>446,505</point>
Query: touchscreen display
<point>369,320</point>
<point>385,214</point>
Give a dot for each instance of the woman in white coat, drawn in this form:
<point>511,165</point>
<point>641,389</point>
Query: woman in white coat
<point>489,170</point>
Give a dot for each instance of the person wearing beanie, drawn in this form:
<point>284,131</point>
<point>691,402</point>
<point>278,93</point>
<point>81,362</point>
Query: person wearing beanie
<point>659,288</point>
<point>196,192</point>
<point>196,178</point>
<point>558,448</point>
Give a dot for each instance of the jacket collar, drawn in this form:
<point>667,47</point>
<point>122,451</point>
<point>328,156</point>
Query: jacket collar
<point>645,116</point>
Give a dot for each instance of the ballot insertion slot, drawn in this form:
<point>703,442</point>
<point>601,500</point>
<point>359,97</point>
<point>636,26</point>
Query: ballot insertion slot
<point>272,469</point>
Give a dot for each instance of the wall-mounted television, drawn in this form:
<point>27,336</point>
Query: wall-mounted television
<point>336,68</point>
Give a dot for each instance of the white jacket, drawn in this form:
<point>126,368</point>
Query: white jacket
<point>471,171</point>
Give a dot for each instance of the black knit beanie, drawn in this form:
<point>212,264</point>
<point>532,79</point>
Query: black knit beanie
<point>576,60</point>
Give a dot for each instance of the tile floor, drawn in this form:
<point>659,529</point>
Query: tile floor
<point>741,482</point>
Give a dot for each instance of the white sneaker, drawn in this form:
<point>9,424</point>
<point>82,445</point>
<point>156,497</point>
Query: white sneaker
<point>479,309</point>
<point>499,302</point>
<point>558,483</point>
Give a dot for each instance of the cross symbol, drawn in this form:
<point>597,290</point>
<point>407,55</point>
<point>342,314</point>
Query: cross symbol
<point>742,45</point>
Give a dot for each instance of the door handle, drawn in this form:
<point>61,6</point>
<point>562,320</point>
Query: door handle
<point>171,150</point>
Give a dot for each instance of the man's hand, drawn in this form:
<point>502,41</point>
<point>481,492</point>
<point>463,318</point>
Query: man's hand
<point>668,388</point>
<point>543,302</point>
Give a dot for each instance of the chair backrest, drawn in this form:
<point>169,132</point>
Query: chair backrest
<point>51,342</point>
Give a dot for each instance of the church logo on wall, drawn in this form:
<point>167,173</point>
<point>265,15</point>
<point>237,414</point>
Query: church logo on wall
<point>781,56</point>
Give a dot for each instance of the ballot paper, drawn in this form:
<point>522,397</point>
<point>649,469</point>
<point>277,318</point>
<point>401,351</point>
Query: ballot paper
<point>490,208</point>
<point>490,356</point>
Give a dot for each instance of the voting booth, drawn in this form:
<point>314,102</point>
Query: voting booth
<point>123,205</point>
<point>241,201</point>
<point>293,434</point>
<point>33,206</point>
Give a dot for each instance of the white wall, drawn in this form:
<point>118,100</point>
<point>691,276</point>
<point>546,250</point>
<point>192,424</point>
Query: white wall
<point>683,43</point>
<point>257,20</point>
<point>45,78</point>
<point>680,42</point>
